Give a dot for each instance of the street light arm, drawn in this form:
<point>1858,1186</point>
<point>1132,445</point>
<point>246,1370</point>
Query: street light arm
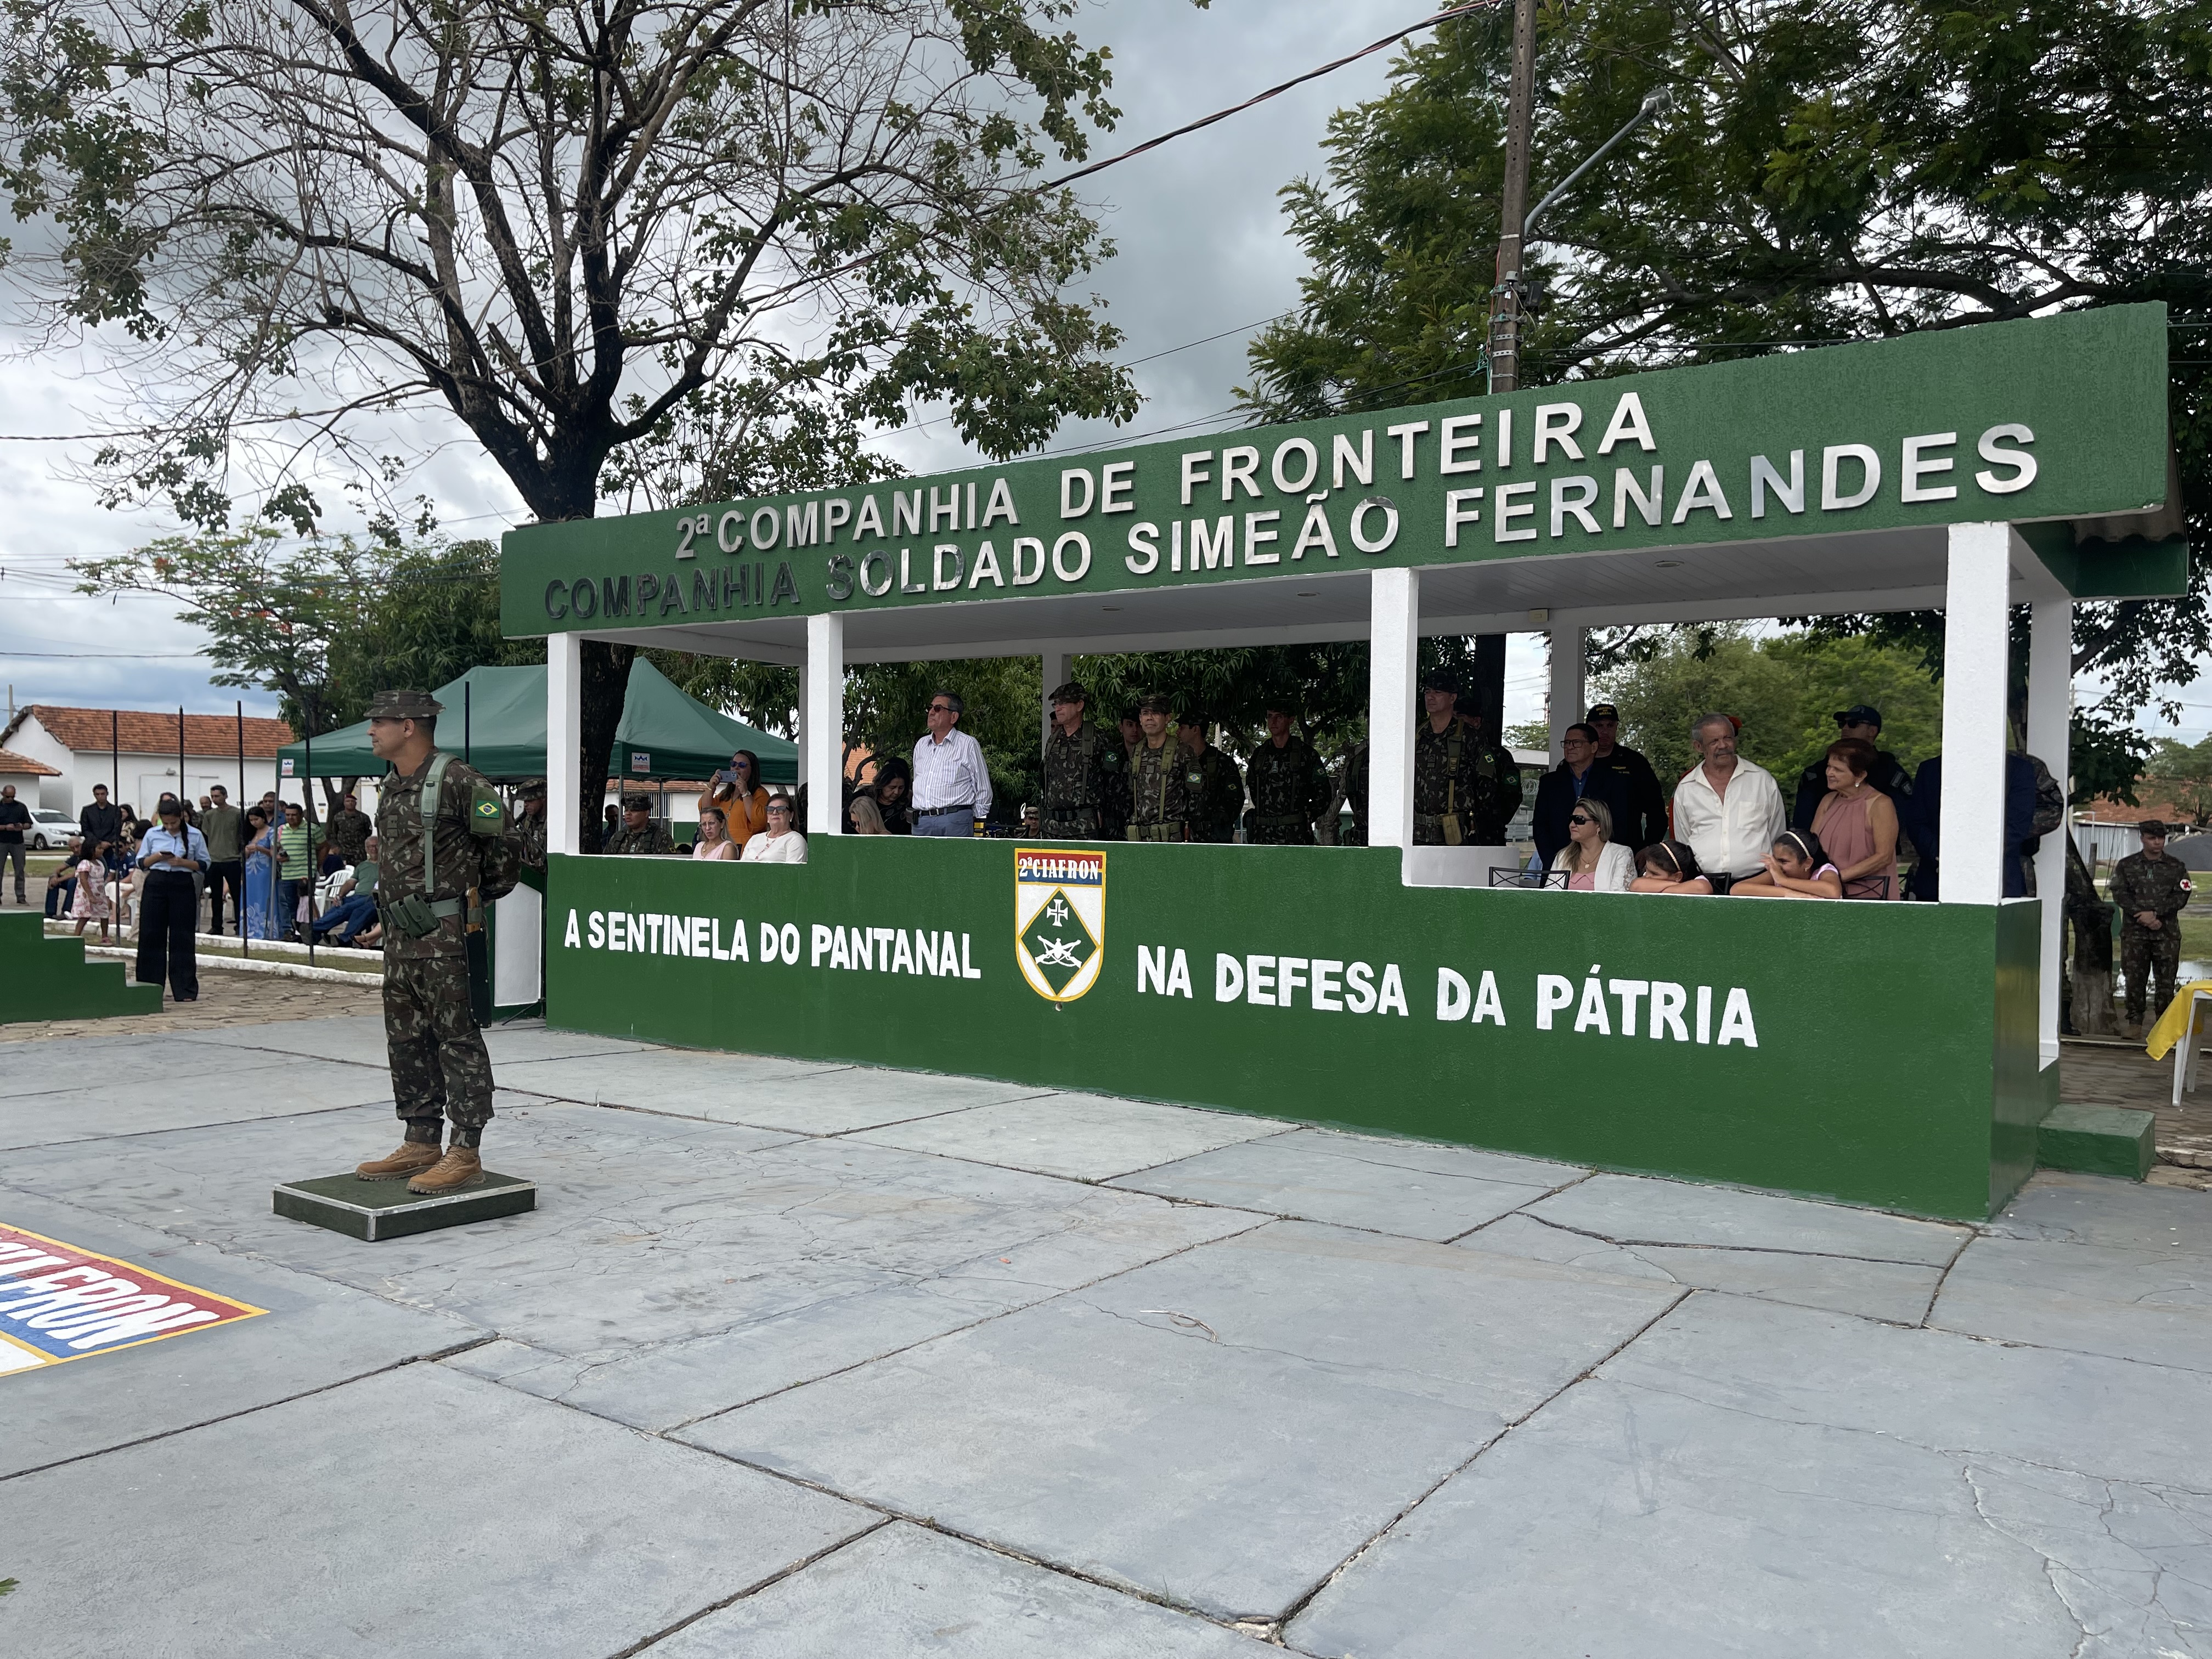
<point>1656,103</point>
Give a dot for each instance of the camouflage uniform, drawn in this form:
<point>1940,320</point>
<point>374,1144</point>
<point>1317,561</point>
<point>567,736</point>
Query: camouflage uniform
<point>1086,784</point>
<point>2162,886</point>
<point>438,1057</point>
<point>1160,793</point>
<point>1355,795</point>
<point>350,829</point>
<point>1289,787</point>
<point>653,838</point>
<point>1458,774</point>
<point>1216,793</point>
<point>530,835</point>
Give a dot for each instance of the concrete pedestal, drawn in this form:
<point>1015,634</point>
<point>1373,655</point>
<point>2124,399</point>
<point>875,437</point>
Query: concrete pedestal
<point>371,1210</point>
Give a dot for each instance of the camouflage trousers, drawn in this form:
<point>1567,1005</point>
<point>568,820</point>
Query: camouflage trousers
<point>2143,953</point>
<point>438,1058</point>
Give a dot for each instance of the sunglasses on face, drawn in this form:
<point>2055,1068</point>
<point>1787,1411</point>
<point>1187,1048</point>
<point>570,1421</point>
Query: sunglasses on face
<point>1579,818</point>
<point>940,708</point>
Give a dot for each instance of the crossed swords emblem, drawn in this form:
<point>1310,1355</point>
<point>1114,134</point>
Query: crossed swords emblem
<point>1057,953</point>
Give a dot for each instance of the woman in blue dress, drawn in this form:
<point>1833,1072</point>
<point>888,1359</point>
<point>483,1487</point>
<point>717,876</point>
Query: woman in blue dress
<point>260,918</point>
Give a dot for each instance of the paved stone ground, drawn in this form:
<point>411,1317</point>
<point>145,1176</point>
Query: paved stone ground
<point>800,1359</point>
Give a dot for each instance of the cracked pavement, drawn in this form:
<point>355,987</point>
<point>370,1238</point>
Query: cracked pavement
<point>805,1359</point>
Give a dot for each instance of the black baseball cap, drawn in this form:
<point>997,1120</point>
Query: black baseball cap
<point>1439,679</point>
<point>1860,714</point>
<point>1603,711</point>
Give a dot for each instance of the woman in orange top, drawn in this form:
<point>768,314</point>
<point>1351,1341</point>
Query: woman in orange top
<point>736,793</point>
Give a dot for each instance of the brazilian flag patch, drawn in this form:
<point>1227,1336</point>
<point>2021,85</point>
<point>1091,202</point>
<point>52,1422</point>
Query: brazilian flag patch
<point>486,815</point>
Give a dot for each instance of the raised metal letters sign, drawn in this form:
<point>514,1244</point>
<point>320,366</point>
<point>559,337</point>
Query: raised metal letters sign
<point>2062,418</point>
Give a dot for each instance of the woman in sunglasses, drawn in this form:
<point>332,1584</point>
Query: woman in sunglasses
<point>778,843</point>
<point>1797,868</point>
<point>738,796</point>
<point>1668,866</point>
<point>1593,863</point>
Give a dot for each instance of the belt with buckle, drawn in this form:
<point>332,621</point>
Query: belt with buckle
<point>944,812</point>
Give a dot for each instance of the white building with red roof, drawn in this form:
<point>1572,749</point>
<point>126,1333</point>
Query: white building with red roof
<point>136,754</point>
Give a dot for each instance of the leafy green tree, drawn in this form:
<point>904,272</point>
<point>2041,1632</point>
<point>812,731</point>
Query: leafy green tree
<point>325,623</point>
<point>2183,773</point>
<point>1830,170</point>
<point>554,227</point>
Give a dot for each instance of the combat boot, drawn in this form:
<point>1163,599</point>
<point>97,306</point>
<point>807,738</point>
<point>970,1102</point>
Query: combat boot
<point>412,1158</point>
<point>459,1167</point>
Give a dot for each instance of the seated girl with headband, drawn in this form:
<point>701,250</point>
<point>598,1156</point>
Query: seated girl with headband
<point>1668,866</point>
<point>1797,868</point>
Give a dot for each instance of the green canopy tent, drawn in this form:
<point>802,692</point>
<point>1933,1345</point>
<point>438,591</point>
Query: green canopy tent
<point>497,717</point>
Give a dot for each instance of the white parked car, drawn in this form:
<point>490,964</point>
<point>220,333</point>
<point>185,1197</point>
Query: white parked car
<point>50,829</point>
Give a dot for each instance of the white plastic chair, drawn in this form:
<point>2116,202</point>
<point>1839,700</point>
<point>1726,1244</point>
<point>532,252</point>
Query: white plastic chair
<point>2185,1051</point>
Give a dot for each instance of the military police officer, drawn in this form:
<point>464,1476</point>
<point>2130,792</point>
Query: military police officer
<point>1464,790</point>
<point>1215,788</point>
<point>445,844</point>
<point>1160,794</point>
<point>1087,774</point>
<point>2150,888</point>
<point>1290,786</point>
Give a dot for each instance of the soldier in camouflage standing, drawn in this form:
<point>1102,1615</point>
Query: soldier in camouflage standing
<point>1160,794</point>
<point>1464,790</point>
<point>350,829</point>
<point>1290,786</point>
<point>1087,774</point>
<point>446,843</point>
<point>1215,786</point>
<point>530,829</point>
<point>2150,890</point>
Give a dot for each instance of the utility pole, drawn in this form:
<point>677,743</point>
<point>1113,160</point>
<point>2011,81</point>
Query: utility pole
<point>1520,123</point>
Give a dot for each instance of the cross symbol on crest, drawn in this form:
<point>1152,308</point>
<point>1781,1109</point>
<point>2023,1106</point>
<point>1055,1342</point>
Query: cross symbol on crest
<point>1057,910</point>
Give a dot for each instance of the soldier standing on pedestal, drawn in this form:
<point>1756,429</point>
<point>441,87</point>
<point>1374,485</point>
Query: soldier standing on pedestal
<point>444,838</point>
<point>1290,786</point>
<point>2150,888</point>
<point>1087,774</point>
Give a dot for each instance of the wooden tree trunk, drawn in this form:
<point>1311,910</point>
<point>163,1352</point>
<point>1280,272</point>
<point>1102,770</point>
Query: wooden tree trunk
<point>2091,1009</point>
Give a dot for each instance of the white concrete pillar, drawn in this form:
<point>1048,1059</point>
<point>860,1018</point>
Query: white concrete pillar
<point>1053,677</point>
<point>1970,826</point>
<point>1567,691</point>
<point>2049,736</point>
<point>822,724</point>
<point>564,743</point>
<point>1394,598</point>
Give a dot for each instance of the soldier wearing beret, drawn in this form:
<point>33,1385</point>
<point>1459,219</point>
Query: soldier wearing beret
<point>447,848</point>
<point>1086,774</point>
<point>639,833</point>
<point>2150,887</point>
<point>1161,798</point>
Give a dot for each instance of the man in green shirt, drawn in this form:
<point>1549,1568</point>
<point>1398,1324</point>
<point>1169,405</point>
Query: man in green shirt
<point>297,845</point>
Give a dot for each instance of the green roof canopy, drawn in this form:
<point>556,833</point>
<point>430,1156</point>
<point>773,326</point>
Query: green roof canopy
<point>497,716</point>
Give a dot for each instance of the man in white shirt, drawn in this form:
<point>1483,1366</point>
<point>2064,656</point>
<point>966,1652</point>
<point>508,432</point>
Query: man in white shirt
<point>951,785</point>
<point>1729,809</point>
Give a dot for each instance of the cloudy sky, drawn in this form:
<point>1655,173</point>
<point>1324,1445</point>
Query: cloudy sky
<point>1202,253</point>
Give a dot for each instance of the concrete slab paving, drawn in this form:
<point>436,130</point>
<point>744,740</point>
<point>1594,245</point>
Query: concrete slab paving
<point>903,1590</point>
<point>809,1097</point>
<point>2147,1303</point>
<point>1220,1430</point>
<point>102,1105</point>
<point>1434,1193</point>
<point>418,1512</point>
<point>1749,1479</point>
<point>1082,1137</point>
<point>314,1334</point>
<point>2082,1209</point>
<point>1642,1210</point>
<point>1898,1292</point>
<point>361,1039</point>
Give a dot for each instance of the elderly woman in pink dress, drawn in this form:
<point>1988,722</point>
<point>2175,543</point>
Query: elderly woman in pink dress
<point>1858,823</point>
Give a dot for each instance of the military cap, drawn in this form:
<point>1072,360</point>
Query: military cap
<point>1438,679</point>
<point>1859,714</point>
<point>532,789</point>
<point>1192,717</point>
<point>1603,711</point>
<point>2152,827</point>
<point>1071,692</point>
<point>637,802</point>
<point>404,705</point>
<point>1156,705</point>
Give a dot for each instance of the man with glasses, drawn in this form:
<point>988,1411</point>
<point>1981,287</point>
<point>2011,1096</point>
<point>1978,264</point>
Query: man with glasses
<point>1577,778</point>
<point>1863,721</point>
<point>951,784</point>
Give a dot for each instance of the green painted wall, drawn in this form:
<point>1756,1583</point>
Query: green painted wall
<point>43,978</point>
<point>1890,1039</point>
<point>2089,387</point>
